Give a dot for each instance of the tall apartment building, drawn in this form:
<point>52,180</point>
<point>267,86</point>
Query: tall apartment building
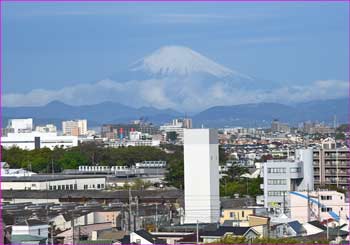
<point>277,126</point>
<point>284,176</point>
<point>201,169</point>
<point>113,131</point>
<point>74,127</point>
<point>331,165</point>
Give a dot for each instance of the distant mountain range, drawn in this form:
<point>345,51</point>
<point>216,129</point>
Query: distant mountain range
<point>248,115</point>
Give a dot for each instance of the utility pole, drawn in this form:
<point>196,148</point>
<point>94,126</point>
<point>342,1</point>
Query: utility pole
<point>318,205</point>
<point>284,202</point>
<point>73,235</point>
<point>130,200</point>
<point>308,204</point>
<point>52,231</point>
<point>137,210</point>
<point>156,217</point>
<point>197,232</point>
<point>327,230</point>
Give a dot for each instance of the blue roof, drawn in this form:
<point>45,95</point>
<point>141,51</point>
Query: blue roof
<point>295,225</point>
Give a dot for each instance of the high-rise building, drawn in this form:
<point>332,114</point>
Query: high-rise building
<point>112,131</point>
<point>331,165</point>
<point>187,123</point>
<point>201,169</point>
<point>74,127</point>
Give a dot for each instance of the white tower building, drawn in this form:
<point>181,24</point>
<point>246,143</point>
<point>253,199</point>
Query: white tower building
<point>201,156</point>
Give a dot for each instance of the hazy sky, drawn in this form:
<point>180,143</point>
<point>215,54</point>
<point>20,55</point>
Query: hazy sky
<point>56,45</point>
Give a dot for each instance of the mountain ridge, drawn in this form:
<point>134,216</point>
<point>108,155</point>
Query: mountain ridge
<point>252,114</point>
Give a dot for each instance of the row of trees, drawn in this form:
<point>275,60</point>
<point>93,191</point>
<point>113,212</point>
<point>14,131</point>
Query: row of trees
<point>42,160</point>
<point>45,160</point>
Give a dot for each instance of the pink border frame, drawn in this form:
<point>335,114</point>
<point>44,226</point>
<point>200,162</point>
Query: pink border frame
<point>34,1</point>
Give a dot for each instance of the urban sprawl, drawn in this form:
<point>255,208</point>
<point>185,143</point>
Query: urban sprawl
<point>139,183</point>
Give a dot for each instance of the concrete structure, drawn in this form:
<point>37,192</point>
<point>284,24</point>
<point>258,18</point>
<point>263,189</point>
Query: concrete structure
<point>201,169</point>
<point>151,164</point>
<point>21,125</point>
<point>53,182</point>
<point>277,126</point>
<point>318,205</point>
<point>331,165</point>
<point>112,131</point>
<point>283,176</point>
<point>48,128</point>
<point>34,140</point>
<point>74,127</point>
<point>31,227</point>
<point>177,126</point>
<point>13,172</point>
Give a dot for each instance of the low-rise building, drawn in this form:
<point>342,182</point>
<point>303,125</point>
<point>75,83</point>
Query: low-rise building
<point>35,140</point>
<point>319,205</point>
<point>54,182</point>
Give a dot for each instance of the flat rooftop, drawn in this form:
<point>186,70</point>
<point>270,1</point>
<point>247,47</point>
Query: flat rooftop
<point>44,178</point>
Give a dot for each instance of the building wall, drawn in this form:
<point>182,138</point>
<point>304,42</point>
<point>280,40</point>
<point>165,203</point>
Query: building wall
<point>69,184</point>
<point>202,200</point>
<point>38,230</point>
<point>134,238</point>
<point>21,125</point>
<point>283,176</point>
<point>236,214</point>
<point>330,199</point>
<point>27,140</point>
<point>331,167</point>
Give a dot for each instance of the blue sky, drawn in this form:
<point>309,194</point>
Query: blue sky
<point>55,45</point>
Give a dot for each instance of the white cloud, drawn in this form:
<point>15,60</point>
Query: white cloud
<point>180,95</point>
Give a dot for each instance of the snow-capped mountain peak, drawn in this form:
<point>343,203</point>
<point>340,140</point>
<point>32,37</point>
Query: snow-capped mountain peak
<point>179,60</point>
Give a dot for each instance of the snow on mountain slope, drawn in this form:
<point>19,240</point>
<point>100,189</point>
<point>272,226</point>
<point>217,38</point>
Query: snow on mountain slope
<point>180,61</point>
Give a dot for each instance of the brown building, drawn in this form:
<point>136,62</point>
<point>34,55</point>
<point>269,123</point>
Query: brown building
<point>331,165</point>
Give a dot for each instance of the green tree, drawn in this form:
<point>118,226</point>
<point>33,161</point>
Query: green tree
<point>171,136</point>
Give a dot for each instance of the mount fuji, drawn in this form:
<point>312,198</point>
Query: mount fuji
<point>181,79</point>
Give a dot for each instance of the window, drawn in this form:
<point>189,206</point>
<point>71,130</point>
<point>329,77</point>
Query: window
<point>276,170</point>
<point>232,214</point>
<point>75,186</point>
<point>276,181</point>
<point>295,170</point>
<point>59,187</point>
<point>71,187</point>
<point>326,197</point>
<point>98,186</point>
<point>50,187</point>
<point>276,193</point>
<point>325,209</point>
<point>242,213</point>
<point>39,232</point>
<point>102,186</point>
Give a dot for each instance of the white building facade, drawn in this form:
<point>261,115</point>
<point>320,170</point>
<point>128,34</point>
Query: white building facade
<point>201,169</point>
<point>53,183</point>
<point>284,176</point>
<point>35,140</point>
<point>21,125</point>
